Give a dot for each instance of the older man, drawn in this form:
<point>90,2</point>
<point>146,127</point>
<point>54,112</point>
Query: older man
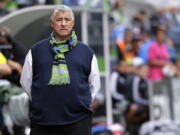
<point>61,77</point>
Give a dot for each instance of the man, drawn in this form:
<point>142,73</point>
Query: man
<point>14,53</point>
<point>138,23</point>
<point>10,70</point>
<point>61,77</point>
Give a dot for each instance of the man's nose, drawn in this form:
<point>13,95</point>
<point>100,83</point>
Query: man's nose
<point>63,22</point>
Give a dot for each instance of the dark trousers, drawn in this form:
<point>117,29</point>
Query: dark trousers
<point>83,127</point>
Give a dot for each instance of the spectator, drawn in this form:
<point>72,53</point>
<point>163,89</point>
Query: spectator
<point>129,93</point>
<point>135,46</point>
<point>171,50</point>
<point>14,54</point>
<point>172,15</point>
<point>117,14</point>
<point>144,46</point>
<point>137,112</point>
<point>125,48</point>
<point>138,23</point>
<point>157,18</point>
<point>158,55</point>
<point>121,86</point>
<point>118,21</point>
<point>10,70</point>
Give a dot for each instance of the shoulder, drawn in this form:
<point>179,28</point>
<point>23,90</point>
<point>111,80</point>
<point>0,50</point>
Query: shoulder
<point>41,47</point>
<point>85,47</point>
<point>40,43</point>
<point>153,45</point>
<point>121,44</point>
<point>114,74</point>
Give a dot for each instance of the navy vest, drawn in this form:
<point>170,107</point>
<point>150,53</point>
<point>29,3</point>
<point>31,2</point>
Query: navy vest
<point>65,104</point>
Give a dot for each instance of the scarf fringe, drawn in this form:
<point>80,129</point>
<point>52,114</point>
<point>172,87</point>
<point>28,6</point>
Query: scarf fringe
<point>59,81</point>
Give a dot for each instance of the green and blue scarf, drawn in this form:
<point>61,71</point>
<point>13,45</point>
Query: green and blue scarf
<point>60,74</point>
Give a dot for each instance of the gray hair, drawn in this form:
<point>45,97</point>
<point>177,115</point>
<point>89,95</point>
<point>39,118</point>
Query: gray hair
<point>62,8</point>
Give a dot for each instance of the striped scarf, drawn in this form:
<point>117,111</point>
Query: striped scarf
<point>60,73</point>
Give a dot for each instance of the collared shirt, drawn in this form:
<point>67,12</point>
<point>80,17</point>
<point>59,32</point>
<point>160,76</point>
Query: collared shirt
<point>160,53</point>
<point>27,73</point>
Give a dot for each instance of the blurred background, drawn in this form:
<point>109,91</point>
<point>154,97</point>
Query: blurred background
<point>137,44</point>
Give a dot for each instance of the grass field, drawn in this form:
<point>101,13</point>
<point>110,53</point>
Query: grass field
<point>101,60</point>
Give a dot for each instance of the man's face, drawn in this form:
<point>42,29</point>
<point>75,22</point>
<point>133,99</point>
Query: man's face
<point>62,24</point>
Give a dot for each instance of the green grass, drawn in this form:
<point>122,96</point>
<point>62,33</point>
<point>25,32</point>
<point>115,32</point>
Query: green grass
<point>101,63</point>
<point>113,52</point>
<point>101,60</point>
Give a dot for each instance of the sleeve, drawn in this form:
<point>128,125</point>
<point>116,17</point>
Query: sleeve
<point>136,96</point>
<point>94,78</point>
<point>26,75</point>
<point>115,94</point>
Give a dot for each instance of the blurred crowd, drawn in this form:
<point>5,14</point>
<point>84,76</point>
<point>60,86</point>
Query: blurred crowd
<point>151,37</point>
<point>147,49</point>
<point>146,46</point>
<point>7,6</point>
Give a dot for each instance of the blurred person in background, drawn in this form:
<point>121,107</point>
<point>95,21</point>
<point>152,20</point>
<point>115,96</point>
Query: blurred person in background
<point>171,49</point>
<point>146,41</point>
<point>121,86</point>
<point>135,45</point>
<point>118,21</point>
<point>124,47</point>
<point>14,53</point>
<point>173,28</point>
<point>117,14</point>
<point>130,94</point>
<point>61,78</point>
<point>158,55</point>
<point>172,15</point>
<point>157,18</point>
<point>137,112</point>
<point>129,47</point>
<point>138,25</point>
<point>12,58</point>
<point>4,69</point>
